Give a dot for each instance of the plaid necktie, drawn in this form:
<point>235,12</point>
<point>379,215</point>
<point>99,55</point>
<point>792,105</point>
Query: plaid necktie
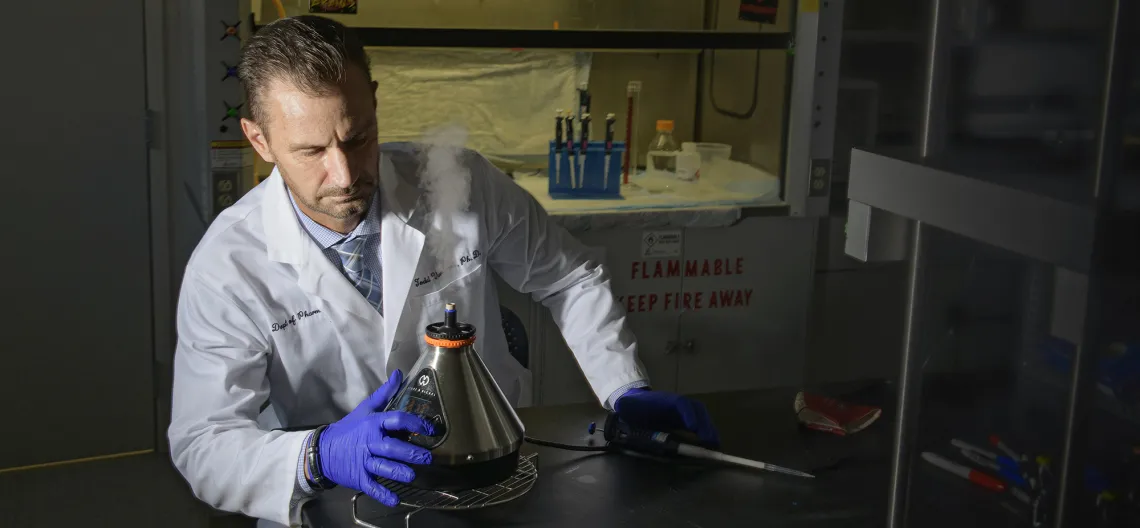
<point>352,256</point>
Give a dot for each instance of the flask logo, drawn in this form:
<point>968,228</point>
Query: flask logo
<point>423,380</point>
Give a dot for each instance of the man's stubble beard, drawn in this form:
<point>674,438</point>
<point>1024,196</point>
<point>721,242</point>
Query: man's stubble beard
<point>343,211</point>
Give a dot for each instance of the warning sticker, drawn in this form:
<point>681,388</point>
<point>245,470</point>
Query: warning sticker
<point>345,7</point>
<point>660,244</point>
<point>230,155</point>
<point>762,11</point>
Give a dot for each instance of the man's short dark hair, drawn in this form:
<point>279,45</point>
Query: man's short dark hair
<point>310,52</point>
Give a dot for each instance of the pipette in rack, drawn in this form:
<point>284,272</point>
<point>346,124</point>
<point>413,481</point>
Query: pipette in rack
<point>583,100</point>
<point>558,146</point>
<point>569,121</point>
<point>585,147</point>
<point>609,149</point>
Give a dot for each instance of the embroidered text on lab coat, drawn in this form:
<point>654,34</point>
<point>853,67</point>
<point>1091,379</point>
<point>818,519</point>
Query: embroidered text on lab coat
<point>435,275</point>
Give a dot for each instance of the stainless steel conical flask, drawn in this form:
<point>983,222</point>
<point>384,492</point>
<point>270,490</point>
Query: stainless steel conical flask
<point>477,433</point>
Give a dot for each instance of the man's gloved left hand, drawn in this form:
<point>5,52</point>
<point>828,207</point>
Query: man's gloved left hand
<point>668,412</point>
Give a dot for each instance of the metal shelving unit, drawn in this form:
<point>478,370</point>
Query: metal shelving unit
<point>1027,223</point>
<point>899,204</point>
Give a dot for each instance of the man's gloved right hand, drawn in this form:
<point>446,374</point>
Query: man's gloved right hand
<point>358,448</point>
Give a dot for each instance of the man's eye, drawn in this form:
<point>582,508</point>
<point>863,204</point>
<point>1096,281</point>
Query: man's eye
<point>311,152</point>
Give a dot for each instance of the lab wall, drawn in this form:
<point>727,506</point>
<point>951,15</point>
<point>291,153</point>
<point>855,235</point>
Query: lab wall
<point>502,98</point>
<point>742,93</point>
<point>76,321</point>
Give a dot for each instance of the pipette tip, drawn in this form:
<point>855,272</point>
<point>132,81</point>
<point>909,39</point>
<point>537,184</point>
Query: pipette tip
<point>793,472</point>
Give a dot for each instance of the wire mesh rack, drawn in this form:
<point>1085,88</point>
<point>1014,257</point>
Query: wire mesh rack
<point>420,499</point>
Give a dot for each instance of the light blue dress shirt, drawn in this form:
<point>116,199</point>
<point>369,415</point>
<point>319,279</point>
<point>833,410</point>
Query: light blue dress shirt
<point>327,238</point>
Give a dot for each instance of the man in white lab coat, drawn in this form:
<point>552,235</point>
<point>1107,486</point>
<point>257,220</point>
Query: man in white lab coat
<point>311,293</point>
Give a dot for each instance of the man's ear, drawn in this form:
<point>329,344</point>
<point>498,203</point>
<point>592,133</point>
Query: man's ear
<point>257,139</point>
<point>375,86</point>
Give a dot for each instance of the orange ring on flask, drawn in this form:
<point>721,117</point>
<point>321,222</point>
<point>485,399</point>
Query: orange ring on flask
<point>448,343</point>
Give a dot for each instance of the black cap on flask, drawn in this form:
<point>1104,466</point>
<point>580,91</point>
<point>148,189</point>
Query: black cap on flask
<point>450,329</point>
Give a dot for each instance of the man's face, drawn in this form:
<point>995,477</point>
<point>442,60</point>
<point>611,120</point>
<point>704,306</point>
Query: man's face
<point>325,147</point>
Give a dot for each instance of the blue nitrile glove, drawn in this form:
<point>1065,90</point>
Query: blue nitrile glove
<point>358,448</point>
<point>668,412</point>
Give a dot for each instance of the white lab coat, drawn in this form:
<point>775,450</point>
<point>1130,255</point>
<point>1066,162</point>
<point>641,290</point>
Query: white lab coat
<point>264,317</point>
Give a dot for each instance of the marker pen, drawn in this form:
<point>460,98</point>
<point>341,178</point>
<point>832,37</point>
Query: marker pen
<point>996,442</point>
<point>977,477</point>
<point>1000,459</point>
<point>980,460</point>
<point>1009,474</point>
<point>963,445</point>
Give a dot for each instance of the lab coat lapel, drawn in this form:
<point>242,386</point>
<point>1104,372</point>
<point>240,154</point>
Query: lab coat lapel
<point>287,242</point>
<point>319,277</point>
<point>401,243</point>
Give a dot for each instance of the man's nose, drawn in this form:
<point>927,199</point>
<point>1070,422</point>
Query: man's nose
<point>338,168</point>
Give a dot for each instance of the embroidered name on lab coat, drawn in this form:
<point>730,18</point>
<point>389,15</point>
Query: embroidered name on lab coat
<point>292,320</point>
<point>435,275</point>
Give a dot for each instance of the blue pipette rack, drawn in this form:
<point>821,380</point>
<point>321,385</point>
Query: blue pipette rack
<point>593,184</point>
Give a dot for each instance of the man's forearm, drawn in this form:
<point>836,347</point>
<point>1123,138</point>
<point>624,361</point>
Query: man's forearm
<point>539,258</point>
<point>219,465</point>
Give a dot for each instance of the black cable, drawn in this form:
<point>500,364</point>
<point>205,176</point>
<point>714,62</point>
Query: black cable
<point>755,87</point>
<point>712,79</point>
<point>568,447</point>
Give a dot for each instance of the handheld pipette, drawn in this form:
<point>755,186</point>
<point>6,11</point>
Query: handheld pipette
<point>708,454</point>
<point>583,100</point>
<point>585,147</point>
<point>609,148</point>
<point>622,435</point>
<point>570,146</point>
<point>558,146</point>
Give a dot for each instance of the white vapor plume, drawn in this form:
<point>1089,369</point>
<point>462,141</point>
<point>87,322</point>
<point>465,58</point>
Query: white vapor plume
<point>447,184</point>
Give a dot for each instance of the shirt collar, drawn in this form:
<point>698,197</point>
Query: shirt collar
<point>326,237</point>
